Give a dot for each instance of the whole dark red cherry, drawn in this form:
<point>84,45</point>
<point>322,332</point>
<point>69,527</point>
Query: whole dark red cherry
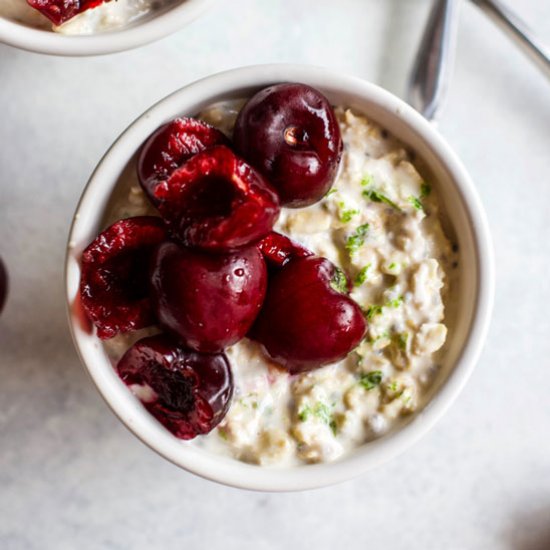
<point>59,11</point>
<point>114,282</point>
<point>217,202</point>
<point>191,391</point>
<point>289,132</point>
<point>169,147</point>
<point>208,301</point>
<point>3,284</point>
<point>307,319</point>
<point>279,249</point>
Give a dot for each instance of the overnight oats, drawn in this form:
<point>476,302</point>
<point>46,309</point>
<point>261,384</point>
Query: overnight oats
<point>272,283</point>
<point>80,17</point>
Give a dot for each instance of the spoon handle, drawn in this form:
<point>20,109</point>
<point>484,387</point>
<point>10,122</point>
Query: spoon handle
<point>519,32</point>
<point>434,61</point>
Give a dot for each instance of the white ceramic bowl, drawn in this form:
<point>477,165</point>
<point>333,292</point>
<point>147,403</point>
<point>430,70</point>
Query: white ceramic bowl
<point>139,33</point>
<point>465,218</point>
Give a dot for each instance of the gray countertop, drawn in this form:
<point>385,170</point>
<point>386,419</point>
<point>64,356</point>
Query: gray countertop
<point>71,476</point>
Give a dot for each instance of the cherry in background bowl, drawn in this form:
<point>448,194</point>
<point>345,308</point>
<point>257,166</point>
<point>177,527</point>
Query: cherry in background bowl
<point>468,317</point>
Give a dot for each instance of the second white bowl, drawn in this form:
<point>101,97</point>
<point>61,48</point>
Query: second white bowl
<point>138,33</point>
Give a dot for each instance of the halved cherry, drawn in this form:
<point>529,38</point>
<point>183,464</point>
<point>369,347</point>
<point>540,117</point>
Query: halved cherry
<point>170,146</point>
<point>187,392</point>
<point>279,249</point>
<point>217,202</point>
<point>308,320</point>
<point>114,284</point>
<point>60,11</point>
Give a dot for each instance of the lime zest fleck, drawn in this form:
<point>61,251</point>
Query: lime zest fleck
<point>372,311</point>
<point>322,412</point>
<point>347,215</point>
<point>331,191</point>
<point>396,302</point>
<point>376,196</point>
<point>339,281</point>
<point>425,190</point>
<point>406,397</point>
<point>416,203</point>
<point>367,180</point>
<point>361,277</point>
<point>355,241</point>
<point>384,335</point>
<point>304,414</point>
<point>371,379</point>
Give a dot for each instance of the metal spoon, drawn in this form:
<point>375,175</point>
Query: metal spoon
<point>433,66</point>
<point>519,32</point>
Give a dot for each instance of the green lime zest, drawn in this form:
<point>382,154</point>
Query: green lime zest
<point>416,203</point>
<point>376,196</point>
<point>321,411</point>
<point>361,277</point>
<point>367,180</point>
<point>347,215</point>
<point>339,281</point>
<point>371,379</point>
<point>425,190</point>
<point>396,302</point>
<point>355,241</point>
<point>372,311</point>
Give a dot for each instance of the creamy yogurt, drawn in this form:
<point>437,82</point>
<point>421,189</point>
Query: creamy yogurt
<point>108,16</point>
<point>381,224</point>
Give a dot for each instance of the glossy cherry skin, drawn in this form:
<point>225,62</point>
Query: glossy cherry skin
<point>305,323</point>
<point>169,147</point>
<point>217,202</point>
<point>60,11</point>
<point>114,282</point>
<point>208,301</point>
<point>191,391</point>
<point>3,284</point>
<point>289,132</point>
<point>278,249</point>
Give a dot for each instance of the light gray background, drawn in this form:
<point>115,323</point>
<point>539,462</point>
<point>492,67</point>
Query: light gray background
<point>72,476</point>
